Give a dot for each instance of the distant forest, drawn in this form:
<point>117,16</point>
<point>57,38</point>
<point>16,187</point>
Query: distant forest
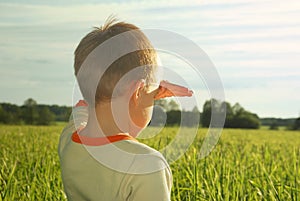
<point>166,112</point>
<point>32,113</point>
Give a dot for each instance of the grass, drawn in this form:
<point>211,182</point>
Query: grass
<point>245,165</point>
<point>29,163</point>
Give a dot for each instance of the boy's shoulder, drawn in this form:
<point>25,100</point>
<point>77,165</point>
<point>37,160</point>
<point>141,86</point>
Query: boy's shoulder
<point>129,157</point>
<point>146,159</point>
<point>135,147</point>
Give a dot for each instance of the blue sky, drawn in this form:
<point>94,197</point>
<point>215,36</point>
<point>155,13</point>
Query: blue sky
<point>255,46</point>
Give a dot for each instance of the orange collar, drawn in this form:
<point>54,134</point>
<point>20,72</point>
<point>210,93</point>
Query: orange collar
<point>98,141</point>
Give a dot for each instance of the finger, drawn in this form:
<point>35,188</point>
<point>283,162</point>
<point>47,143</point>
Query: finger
<point>176,89</point>
<point>179,92</point>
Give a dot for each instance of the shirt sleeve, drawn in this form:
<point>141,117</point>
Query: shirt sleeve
<point>148,187</point>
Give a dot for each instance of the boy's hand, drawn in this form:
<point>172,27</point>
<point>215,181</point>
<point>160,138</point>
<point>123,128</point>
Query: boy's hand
<point>167,89</point>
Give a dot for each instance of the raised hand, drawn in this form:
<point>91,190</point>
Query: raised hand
<point>167,89</point>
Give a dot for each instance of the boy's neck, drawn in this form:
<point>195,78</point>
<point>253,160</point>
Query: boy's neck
<point>111,121</point>
<point>102,117</point>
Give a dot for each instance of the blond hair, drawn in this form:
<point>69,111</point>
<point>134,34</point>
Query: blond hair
<point>145,58</point>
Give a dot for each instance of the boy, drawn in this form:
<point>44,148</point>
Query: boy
<point>99,155</point>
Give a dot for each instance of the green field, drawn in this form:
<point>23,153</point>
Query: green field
<point>245,165</point>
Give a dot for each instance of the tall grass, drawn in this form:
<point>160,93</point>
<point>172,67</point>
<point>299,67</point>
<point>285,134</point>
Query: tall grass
<point>245,165</point>
<point>29,163</point>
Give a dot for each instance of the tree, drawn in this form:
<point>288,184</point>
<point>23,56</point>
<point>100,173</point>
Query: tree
<point>173,117</point>
<point>296,125</point>
<point>159,117</point>
<point>172,105</point>
<point>167,105</point>
<point>30,102</point>
<point>62,113</point>
<point>237,109</point>
<point>206,114</point>
<point>195,109</point>
<point>246,120</point>
<point>229,121</point>
<point>10,114</point>
<point>236,116</point>
<point>162,103</point>
<point>3,115</point>
<point>208,107</point>
<point>30,112</point>
<point>46,117</point>
<point>274,126</point>
<point>190,118</point>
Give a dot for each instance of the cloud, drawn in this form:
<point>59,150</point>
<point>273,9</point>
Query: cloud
<point>254,44</point>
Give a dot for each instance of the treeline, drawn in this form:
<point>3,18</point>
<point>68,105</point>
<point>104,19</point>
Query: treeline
<point>275,123</point>
<point>165,113</point>
<point>32,113</point>
<point>162,117</point>
<point>236,115</point>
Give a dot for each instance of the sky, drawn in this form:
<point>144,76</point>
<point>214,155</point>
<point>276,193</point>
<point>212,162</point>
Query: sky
<point>253,44</point>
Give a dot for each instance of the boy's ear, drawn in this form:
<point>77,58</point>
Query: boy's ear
<point>137,89</point>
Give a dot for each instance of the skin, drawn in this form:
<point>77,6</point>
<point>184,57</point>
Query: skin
<point>113,118</point>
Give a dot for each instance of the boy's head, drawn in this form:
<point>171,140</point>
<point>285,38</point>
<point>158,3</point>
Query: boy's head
<point>145,60</point>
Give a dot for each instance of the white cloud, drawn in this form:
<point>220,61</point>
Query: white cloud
<point>247,40</point>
